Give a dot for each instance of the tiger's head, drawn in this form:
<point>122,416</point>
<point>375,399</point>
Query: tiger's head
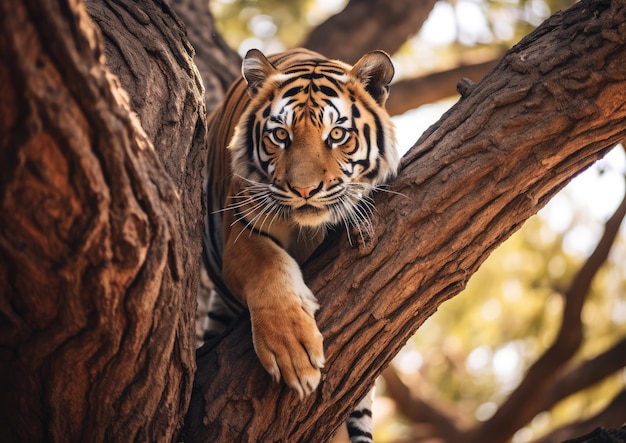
<point>315,139</point>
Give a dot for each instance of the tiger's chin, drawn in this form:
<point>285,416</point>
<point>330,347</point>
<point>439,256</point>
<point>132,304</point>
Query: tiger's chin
<point>310,216</point>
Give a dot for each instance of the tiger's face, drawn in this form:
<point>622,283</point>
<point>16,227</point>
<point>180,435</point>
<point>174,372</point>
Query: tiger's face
<point>315,139</point>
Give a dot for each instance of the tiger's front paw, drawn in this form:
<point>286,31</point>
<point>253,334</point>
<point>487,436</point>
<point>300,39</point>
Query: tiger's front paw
<point>289,344</point>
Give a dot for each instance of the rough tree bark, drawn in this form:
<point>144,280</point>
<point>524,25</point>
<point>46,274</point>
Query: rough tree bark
<point>546,382</point>
<point>554,105</point>
<point>218,64</point>
<point>99,223</point>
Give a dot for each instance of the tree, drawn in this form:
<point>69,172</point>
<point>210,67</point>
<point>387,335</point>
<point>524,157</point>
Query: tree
<point>108,227</point>
<point>552,377</point>
<point>100,221</point>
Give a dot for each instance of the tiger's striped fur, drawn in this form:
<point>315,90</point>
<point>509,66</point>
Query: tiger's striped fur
<point>308,141</point>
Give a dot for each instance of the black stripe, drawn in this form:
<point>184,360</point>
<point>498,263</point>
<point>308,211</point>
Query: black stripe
<point>359,413</point>
<point>293,91</point>
<point>246,224</point>
<point>368,145</point>
<point>355,111</point>
<point>374,172</point>
<point>380,135</point>
<point>328,91</point>
<point>353,431</point>
<point>357,145</point>
<point>330,70</point>
<point>249,136</point>
<point>267,110</point>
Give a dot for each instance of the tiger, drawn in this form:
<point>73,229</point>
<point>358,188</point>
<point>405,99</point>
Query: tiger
<point>295,150</point>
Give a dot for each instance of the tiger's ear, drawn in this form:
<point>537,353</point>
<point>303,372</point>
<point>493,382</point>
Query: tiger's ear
<point>256,68</point>
<point>375,71</point>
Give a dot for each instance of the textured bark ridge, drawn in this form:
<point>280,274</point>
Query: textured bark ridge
<point>218,64</point>
<point>99,223</point>
<point>551,107</point>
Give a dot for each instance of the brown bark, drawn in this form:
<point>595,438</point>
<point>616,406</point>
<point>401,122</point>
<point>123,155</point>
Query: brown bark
<point>534,390</point>
<point>98,245</point>
<point>553,105</point>
<point>219,65</point>
<point>366,25</point>
<point>544,383</point>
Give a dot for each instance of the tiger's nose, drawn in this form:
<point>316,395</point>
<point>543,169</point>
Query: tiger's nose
<point>306,191</point>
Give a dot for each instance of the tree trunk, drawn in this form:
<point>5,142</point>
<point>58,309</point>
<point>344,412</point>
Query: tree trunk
<point>554,105</point>
<point>100,222</point>
<point>218,64</point>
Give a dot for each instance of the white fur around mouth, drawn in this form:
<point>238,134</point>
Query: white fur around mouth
<point>309,209</point>
<point>309,215</point>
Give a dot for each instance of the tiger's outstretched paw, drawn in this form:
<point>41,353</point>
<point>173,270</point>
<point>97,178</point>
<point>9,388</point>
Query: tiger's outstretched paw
<point>289,345</point>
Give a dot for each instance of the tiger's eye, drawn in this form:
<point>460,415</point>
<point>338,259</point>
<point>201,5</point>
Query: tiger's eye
<point>337,135</point>
<point>281,135</point>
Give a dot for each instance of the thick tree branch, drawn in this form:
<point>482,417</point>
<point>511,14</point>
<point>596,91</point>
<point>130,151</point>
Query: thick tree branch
<point>587,373</point>
<point>365,25</point>
<point>554,105</point>
<point>531,394</point>
<point>444,419</point>
<point>447,424</point>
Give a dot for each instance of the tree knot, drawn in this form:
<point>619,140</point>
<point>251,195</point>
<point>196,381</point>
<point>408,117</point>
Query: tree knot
<point>465,87</point>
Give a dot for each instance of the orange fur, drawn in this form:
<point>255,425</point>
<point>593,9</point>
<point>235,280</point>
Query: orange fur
<point>318,151</point>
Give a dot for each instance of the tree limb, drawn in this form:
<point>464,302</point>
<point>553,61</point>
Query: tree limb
<point>533,392</point>
<point>553,105</point>
<point>447,424</point>
<point>411,93</point>
<point>218,64</point>
<point>444,419</point>
<point>366,25</point>
<point>587,373</point>
<point>611,416</point>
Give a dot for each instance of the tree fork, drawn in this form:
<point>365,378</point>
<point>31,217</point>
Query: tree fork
<point>552,106</point>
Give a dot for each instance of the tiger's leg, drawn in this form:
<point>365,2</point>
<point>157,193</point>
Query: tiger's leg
<point>268,281</point>
<point>358,426</point>
<point>359,423</point>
